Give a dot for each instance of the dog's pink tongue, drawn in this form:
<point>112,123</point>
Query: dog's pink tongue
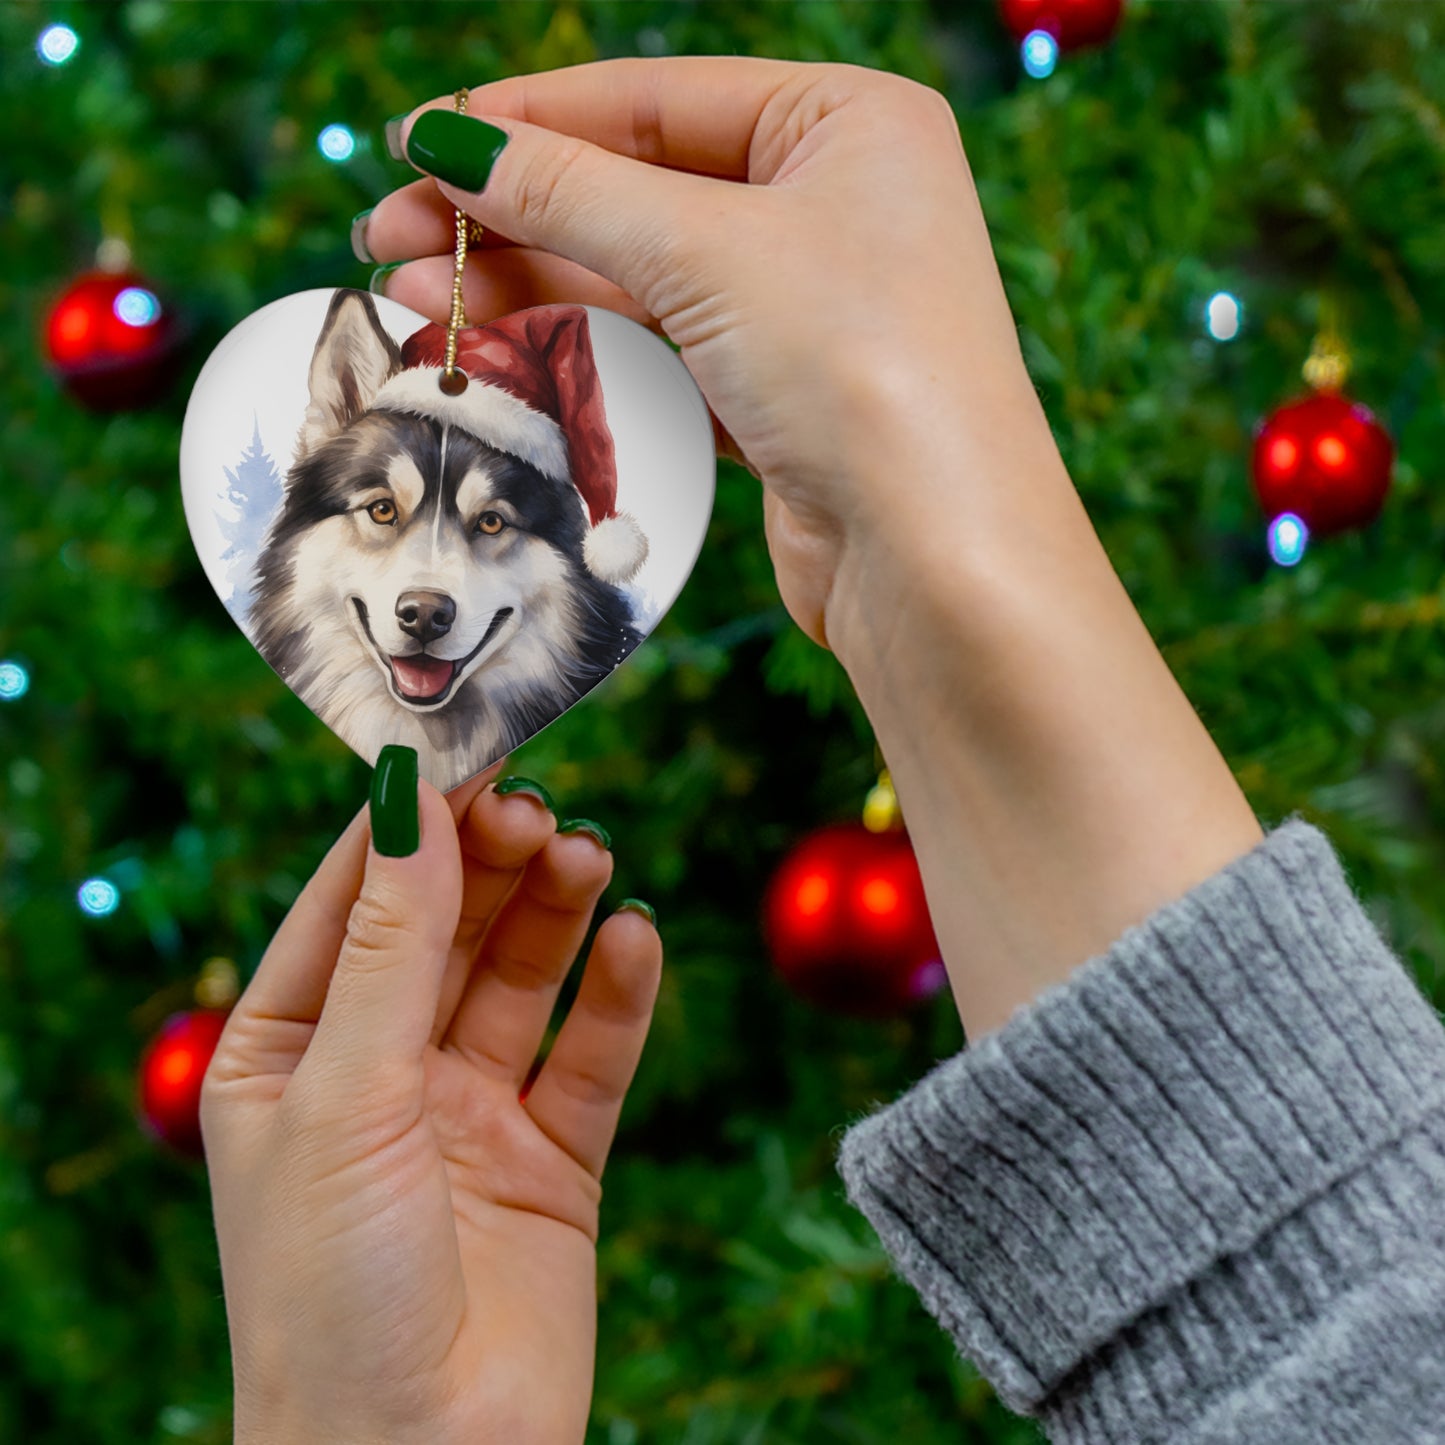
<point>421,676</point>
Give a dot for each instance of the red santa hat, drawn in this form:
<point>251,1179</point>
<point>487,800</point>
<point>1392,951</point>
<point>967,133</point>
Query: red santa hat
<point>532,391</point>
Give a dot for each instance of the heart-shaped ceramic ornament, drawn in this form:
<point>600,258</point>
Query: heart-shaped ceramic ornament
<point>447,569</point>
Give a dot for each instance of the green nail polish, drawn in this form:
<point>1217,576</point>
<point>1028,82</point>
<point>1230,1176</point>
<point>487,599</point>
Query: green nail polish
<point>636,905</point>
<point>395,821</point>
<point>526,785</point>
<point>359,248</point>
<point>393,136</point>
<point>455,148</point>
<point>586,825</point>
<point>377,284</point>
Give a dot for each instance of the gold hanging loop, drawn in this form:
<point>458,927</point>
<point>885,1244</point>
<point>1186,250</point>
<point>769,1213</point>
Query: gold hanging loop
<point>1328,366</point>
<point>219,985</point>
<point>452,381</point>
<point>881,813</point>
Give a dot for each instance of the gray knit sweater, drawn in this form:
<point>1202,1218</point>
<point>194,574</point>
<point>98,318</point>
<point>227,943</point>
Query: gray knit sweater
<point>1197,1191</point>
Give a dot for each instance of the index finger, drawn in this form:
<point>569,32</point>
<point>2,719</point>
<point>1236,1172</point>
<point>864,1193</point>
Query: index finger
<point>696,113</point>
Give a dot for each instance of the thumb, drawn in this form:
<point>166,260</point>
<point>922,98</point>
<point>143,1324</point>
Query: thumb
<point>637,225</point>
<point>382,999</point>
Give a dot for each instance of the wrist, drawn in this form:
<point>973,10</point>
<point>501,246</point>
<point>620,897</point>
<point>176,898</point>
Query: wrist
<point>260,1428</point>
<point>952,506</point>
<point>1056,782</point>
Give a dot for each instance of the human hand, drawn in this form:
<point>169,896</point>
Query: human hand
<point>408,1248</point>
<point>840,303</point>
<point>810,237</point>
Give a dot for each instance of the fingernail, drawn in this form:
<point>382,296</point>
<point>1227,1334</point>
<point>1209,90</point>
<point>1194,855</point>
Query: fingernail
<point>586,825</point>
<point>636,905</point>
<point>526,785</point>
<point>395,820</point>
<point>377,284</point>
<point>455,148</point>
<point>393,136</point>
<point>359,248</point>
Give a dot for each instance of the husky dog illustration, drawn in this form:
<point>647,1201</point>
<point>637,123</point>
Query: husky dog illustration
<point>443,570</point>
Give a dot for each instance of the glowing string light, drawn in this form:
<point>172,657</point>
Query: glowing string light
<point>1040,53</point>
<point>14,682</point>
<point>930,977</point>
<point>57,44</point>
<point>1223,316</point>
<point>98,897</point>
<point>137,307</point>
<point>1288,538</point>
<point>336,143</point>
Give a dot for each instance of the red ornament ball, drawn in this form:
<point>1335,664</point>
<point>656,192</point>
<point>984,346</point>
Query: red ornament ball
<point>1324,458</point>
<point>1073,23</point>
<point>171,1072</point>
<point>847,923</point>
<point>112,342</point>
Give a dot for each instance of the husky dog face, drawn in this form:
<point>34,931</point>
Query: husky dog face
<point>420,585</point>
<point>433,548</point>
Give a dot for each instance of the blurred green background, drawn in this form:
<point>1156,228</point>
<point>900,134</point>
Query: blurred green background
<point>1292,154</point>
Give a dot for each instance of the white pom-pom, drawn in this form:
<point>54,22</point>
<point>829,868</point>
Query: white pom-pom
<point>615,548</point>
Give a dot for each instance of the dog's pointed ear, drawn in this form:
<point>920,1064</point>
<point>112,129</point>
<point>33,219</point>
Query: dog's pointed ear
<point>354,358</point>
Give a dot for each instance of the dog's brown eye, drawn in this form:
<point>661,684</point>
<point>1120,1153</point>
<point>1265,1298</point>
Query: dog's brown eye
<point>382,512</point>
<point>491,523</point>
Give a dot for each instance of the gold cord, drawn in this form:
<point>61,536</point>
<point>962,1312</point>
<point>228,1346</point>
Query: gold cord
<point>881,813</point>
<point>452,381</point>
<point>1328,367</point>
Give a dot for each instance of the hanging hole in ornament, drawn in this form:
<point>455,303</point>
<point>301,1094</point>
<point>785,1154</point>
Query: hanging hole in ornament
<point>453,383</point>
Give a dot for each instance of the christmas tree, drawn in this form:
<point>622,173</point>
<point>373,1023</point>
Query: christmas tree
<point>1284,157</point>
<point>252,498</point>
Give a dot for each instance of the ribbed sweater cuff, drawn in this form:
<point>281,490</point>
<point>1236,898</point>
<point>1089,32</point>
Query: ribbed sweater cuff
<point>1144,1165</point>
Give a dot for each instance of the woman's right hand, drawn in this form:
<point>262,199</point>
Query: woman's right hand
<point>808,235</point>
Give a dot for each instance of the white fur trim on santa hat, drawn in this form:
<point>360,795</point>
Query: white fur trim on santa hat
<point>489,413</point>
<point>615,548</point>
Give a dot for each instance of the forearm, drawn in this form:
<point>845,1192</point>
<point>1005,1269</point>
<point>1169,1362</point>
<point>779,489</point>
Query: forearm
<point>1057,784</point>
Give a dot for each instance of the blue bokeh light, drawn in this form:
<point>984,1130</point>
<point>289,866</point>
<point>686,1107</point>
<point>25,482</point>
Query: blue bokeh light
<point>137,307</point>
<point>57,44</point>
<point>14,681</point>
<point>1288,538</point>
<point>1223,316</point>
<point>98,897</point>
<point>1040,52</point>
<point>336,143</point>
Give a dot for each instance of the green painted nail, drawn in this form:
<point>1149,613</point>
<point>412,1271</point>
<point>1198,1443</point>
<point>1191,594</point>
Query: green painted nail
<point>636,905</point>
<point>395,820</point>
<point>455,148</point>
<point>526,785</point>
<point>393,136</point>
<point>377,284</point>
<point>359,248</point>
<point>586,825</point>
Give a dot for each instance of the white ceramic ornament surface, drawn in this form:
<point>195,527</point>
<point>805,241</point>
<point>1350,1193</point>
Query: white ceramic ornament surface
<point>451,573</point>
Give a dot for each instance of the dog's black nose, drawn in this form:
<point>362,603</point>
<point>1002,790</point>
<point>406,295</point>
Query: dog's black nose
<point>426,615</point>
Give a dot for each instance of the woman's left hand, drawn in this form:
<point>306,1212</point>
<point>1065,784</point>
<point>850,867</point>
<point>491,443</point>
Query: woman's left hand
<point>407,1245</point>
